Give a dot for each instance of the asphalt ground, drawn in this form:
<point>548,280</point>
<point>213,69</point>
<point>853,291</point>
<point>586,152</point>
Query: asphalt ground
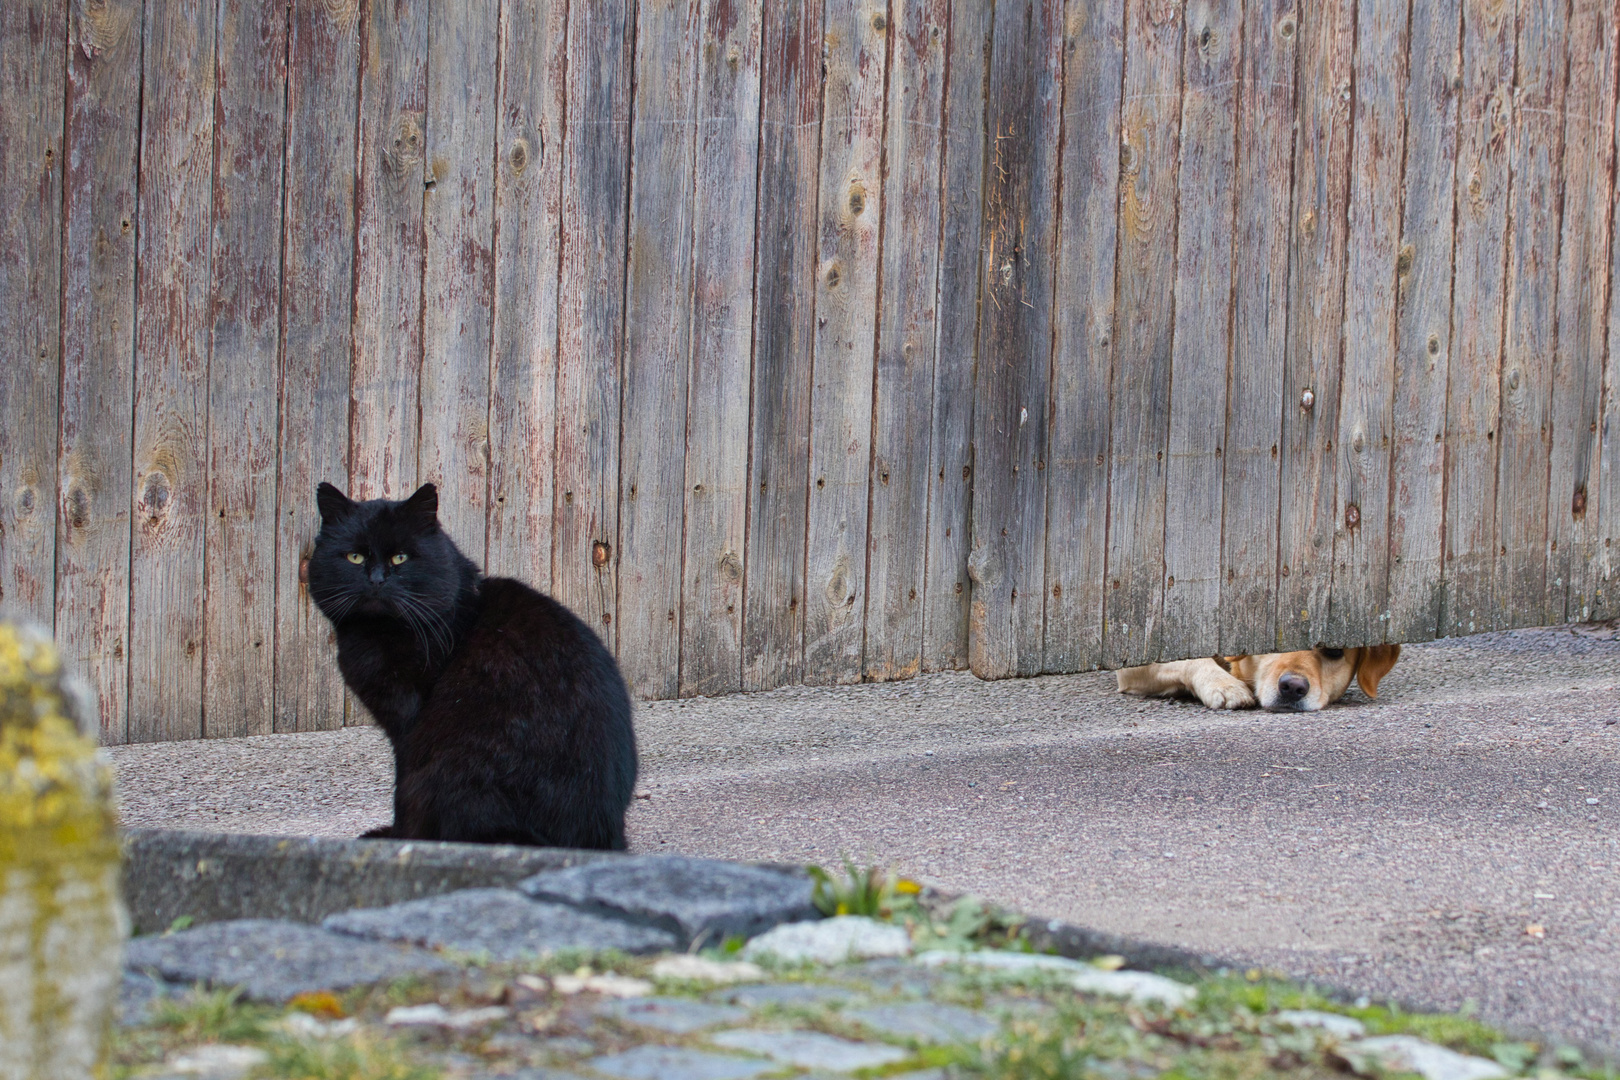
<point>1452,844</point>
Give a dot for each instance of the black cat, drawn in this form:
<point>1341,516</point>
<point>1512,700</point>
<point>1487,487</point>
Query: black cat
<point>509,718</point>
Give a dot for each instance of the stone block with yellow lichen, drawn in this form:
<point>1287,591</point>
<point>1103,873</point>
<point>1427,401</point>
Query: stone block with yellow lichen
<point>62,923</point>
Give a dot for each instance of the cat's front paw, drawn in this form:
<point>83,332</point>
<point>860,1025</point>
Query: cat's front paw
<point>381,832</point>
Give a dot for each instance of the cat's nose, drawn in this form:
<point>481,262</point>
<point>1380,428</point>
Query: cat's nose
<point>376,575</point>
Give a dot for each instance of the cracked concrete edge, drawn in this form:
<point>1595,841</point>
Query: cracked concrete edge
<point>211,877</point>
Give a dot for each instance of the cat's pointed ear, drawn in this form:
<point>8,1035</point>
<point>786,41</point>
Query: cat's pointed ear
<point>425,501</point>
<point>334,505</point>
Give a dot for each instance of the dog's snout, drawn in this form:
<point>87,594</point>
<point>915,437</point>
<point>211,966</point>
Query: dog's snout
<point>1291,687</point>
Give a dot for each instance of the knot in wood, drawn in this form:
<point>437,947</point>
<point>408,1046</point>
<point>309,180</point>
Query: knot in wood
<point>601,552</point>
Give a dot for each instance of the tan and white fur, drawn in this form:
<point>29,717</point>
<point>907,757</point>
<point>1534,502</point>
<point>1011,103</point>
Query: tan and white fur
<point>1302,681</point>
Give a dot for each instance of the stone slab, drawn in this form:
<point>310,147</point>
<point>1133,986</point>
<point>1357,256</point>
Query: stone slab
<point>705,899</point>
<point>926,1021</point>
<point>755,997</point>
<point>680,1016</point>
<point>811,1049</point>
<point>502,923</point>
<point>211,877</point>
<point>677,1063</point>
<point>830,941</point>
<point>274,961</point>
<point>1409,1054</point>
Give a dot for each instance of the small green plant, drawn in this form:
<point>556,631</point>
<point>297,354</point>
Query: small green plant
<point>204,1015</point>
<point>872,892</point>
<point>359,1057</point>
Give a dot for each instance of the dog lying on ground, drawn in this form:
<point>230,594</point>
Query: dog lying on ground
<point>1280,682</point>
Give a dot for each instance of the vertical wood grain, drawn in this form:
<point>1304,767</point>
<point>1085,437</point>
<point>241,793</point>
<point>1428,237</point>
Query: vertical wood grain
<point>458,286</point>
<point>950,466</point>
<point>1472,395</point>
<point>317,290</point>
<point>244,336</point>
<point>385,421</point>
<point>171,376</point>
<point>1315,323</point>
<point>1524,442</point>
<point>1083,335</point>
<point>657,349</point>
<point>716,486</point>
<point>1374,261</point>
<point>1573,546</point>
<point>33,36</point>
<point>1012,404</point>
<point>98,349</point>
<point>1606,558</point>
<point>1262,232</point>
<point>907,327</point>
<point>1149,128</point>
<point>1423,345</point>
<point>1201,337</point>
<point>590,355</point>
<point>784,336</point>
<point>848,216</point>
<point>528,223</point>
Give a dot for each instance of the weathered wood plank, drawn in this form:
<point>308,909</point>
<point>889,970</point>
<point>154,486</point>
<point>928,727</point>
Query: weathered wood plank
<point>1315,323</point>
<point>779,444</point>
<point>590,351</point>
<point>32,39</point>
<point>1012,408</point>
<point>1144,317</point>
<point>1083,335</point>
<point>171,376</point>
<point>385,423</point>
<point>528,220</point>
<point>657,348</point>
<point>239,672</point>
<point>98,352</point>
<point>950,465</point>
<point>716,486</point>
<point>458,286</point>
<point>849,214</point>
<point>1536,140</point>
<point>1359,595</point>
<point>1573,545</point>
<point>903,413</point>
<point>1606,506</point>
<point>1201,339</point>
<point>1262,232</point>
<point>1473,382</point>
<point>1423,322</point>
<point>317,293</point>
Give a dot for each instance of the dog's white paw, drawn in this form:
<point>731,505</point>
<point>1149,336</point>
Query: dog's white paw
<point>1230,693</point>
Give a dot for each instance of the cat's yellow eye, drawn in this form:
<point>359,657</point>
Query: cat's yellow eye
<point>397,559</point>
<point>355,557</point>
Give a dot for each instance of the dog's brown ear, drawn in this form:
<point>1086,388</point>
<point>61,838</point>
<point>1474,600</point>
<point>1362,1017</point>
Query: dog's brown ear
<point>1373,664</point>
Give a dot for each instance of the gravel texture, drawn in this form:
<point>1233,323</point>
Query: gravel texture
<point>1454,841</point>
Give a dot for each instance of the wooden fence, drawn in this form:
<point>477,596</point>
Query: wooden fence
<point>817,340</point>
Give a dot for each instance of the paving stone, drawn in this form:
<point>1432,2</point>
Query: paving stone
<point>1138,986</point>
<point>216,1061</point>
<point>928,1021</point>
<point>677,1015</point>
<point>754,997</point>
<point>702,969</point>
<point>811,1049</point>
<point>1340,1027</point>
<point>688,897</point>
<point>502,923</point>
<point>274,961</point>
<point>892,977</point>
<point>1407,1053</point>
<point>677,1063</point>
<point>830,941</point>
